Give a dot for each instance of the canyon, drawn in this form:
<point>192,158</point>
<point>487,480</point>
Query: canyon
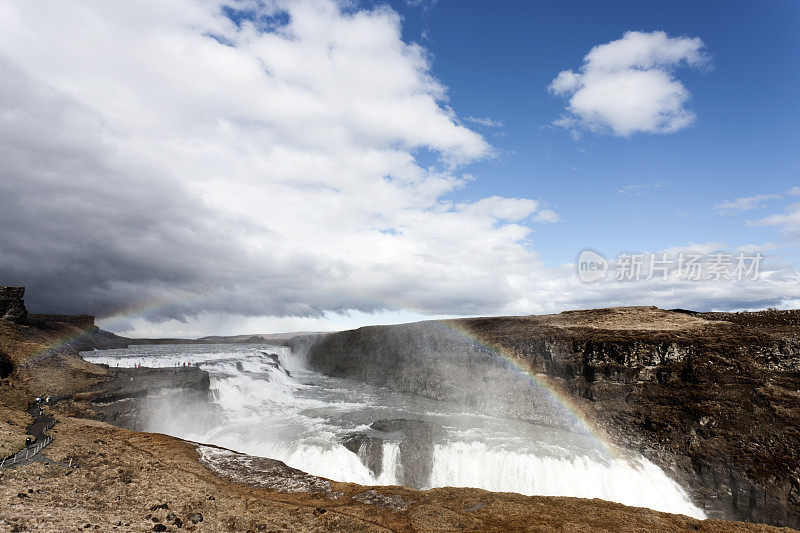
<point>683,388</point>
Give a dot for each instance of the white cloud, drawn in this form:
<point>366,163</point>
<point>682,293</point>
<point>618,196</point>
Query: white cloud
<point>627,86</point>
<point>485,121</point>
<point>546,215</point>
<point>424,4</point>
<point>640,189</point>
<point>747,203</point>
<point>165,161</point>
<point>788,222</point>
<point>234,324</point>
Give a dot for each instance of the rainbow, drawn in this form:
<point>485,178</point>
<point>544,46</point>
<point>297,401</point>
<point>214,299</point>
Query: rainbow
<point>117,321</point>
<point>563,402</point>
<point>113,322</point>
<point>144,308</point>
<point>65,340</point>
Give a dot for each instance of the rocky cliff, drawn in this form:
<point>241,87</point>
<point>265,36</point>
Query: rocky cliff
<point>78,331</point>
<point>39,358</point>
<point>12,305</point>
<point>712,398</point>
<point>132,397</point>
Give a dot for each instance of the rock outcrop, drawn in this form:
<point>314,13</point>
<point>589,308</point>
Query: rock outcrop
<point>131,398</point>
<point>713,398</point>
<point>12,305</point>
<point>435,360</point>
<point>368,448</point>
<point>416,449</point>
<point>271,359</point>
<point>415,440</point>
<point>78,331</point>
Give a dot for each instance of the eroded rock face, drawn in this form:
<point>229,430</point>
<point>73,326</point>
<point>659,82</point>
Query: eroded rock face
<point>12,305</point>
<point>135,398</point>
<point>415,439</point>
<point>436,361</point>
<point>273,360</point>
<point>712,398</point>
<point>416,449</point>
<point>263,472</point>
<point>368,448</point>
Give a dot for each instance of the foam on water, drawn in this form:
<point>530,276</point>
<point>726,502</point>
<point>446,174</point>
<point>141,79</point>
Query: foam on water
<point>299,417</point>
<point>633,481</point>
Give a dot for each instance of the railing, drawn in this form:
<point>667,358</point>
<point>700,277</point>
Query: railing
<point>29,451</point>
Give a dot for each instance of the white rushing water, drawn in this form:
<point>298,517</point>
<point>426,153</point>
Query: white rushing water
<point>300,417</point>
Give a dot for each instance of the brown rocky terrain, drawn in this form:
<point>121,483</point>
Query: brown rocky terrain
<point>128,481</point>
<point>97,476</point>
<point>711,397</point>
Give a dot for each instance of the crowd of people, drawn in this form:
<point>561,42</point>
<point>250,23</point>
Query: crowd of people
<point>181,364</point>
<point>173,370</point>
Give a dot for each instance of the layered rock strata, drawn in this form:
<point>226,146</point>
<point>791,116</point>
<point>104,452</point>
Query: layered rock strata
<point>712,398</point>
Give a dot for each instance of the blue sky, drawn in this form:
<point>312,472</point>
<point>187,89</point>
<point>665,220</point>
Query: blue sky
<point>234,166</point>
<point>497,59</point>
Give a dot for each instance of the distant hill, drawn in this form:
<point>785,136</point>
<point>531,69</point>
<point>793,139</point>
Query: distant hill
<point>259,338</point>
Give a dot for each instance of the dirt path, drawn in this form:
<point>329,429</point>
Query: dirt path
<point>41,440</point>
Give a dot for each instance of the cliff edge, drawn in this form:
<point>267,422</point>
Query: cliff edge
<point>713,398</point>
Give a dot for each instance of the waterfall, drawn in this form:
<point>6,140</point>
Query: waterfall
<point>265,404</point>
